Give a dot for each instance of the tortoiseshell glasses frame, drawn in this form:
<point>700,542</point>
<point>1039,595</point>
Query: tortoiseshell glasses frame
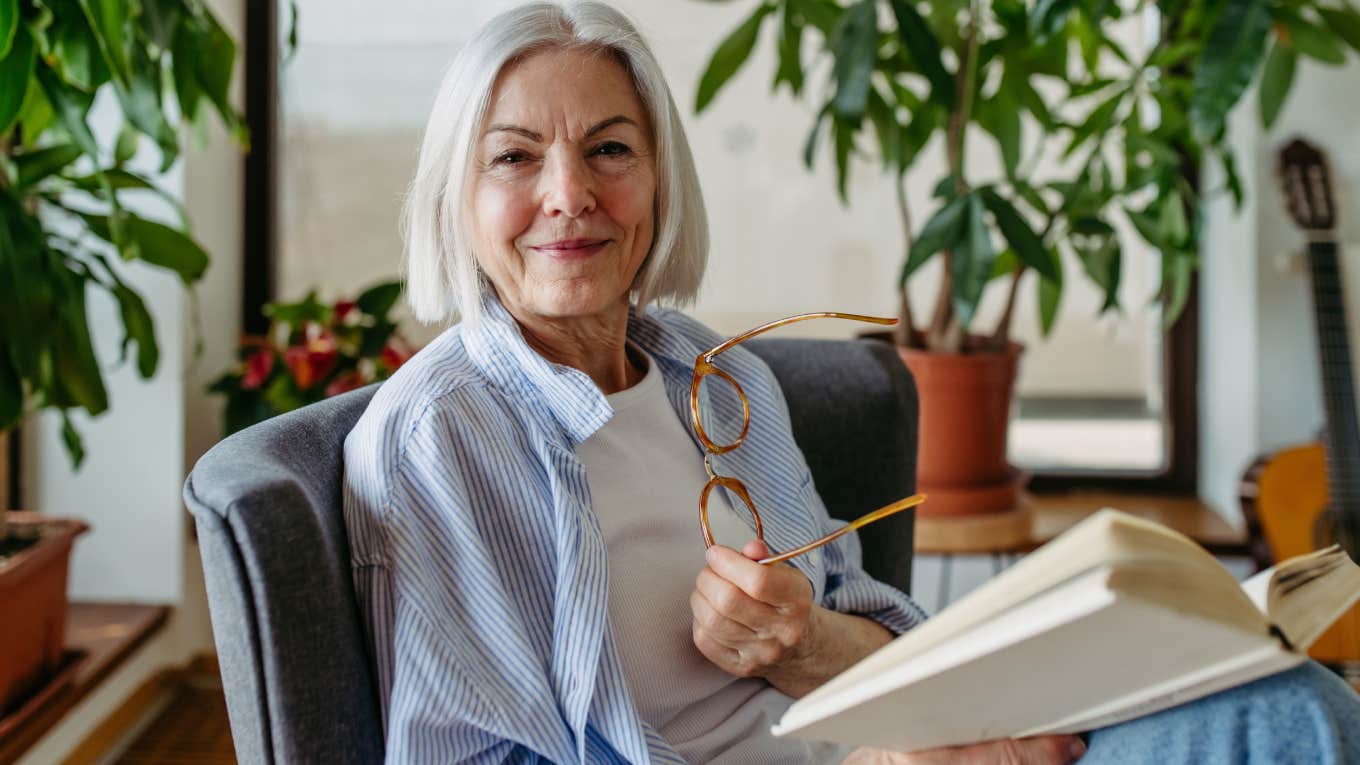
<point>703,367</point>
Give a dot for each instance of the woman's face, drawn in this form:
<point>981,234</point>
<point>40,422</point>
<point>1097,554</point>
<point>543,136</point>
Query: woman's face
<point>563,186</point>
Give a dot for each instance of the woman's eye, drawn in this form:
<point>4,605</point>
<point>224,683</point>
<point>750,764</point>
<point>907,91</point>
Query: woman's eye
<point>510,158</point>
<point>612,149</point>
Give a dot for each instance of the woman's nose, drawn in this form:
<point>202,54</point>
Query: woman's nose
<point>568,187</point>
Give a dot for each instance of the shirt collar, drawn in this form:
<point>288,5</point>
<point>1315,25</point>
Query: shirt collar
<point>498,348</point>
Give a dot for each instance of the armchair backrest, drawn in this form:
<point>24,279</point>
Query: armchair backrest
<point>271,533</point>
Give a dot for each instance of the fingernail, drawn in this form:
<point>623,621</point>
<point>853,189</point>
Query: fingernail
<point>1077,748</point>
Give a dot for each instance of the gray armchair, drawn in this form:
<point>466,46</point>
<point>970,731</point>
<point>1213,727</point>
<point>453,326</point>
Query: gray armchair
<point>267,506</point>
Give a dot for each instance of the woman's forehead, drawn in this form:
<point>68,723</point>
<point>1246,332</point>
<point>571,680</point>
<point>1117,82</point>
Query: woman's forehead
<point>564,88</point>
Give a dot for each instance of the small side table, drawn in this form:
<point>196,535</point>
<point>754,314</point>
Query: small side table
<point>1041,517</point>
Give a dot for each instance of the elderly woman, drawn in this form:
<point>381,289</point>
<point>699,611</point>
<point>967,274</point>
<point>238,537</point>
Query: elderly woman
<point>520,497</point>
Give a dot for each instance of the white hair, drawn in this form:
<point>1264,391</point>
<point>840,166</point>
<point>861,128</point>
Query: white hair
<point>443,280</point>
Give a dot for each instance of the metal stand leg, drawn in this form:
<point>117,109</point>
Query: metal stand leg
<point>946,568</point>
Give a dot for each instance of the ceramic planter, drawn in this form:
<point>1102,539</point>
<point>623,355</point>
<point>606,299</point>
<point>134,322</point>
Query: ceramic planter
<point>965,416</point>
<point>33,606</point>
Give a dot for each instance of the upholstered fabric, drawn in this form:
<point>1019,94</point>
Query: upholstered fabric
<point>268,511</point>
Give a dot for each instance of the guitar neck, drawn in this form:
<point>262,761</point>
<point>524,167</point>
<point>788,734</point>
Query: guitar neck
<point>1342,440</point>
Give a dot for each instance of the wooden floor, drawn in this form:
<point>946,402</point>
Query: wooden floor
<point>192,730</point>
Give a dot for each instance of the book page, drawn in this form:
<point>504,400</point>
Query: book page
<point>1304,595</point>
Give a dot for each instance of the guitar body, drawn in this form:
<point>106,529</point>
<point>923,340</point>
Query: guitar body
<point>1286,493</point>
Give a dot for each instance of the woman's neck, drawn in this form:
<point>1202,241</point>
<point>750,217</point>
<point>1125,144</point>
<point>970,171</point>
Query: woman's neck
<point>596,345</point>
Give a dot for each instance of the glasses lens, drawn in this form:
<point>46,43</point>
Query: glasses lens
<point>730,520</point>
<point>720,410</point>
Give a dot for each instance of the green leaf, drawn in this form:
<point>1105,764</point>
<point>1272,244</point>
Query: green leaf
<point>1226,65</point>
<point>120,179</point>
<point>26,312</point>
<point>75,448</point>
<point>1006,128</point>
<point>924,48</point>
<point>886,129</point>
<point>1231,177</point>
<point>138,327</point>
<point>730,56</point>
<point>16,69</point>
<point>214,58</point>
<point>1314,41</point>
<point>1005,263</point>
<point>184,71</point>
<point>1172,225</point>
<point>126,147</point>
<point>379,299</point>
<point>810,146</point>
<point>34,166</point>
<point>159,245</point>
<point>855,43</point>
<point>1345,23</point>
<point>162,17</point>
<point>1276,80</point>
<point>1096,123</point>
<point>941,232</point>
<point>822,14</point>
<point>70,106</point>
<point>107,18</point>
<point>11,391</point>
<point>971,260</point>
<point>1050,297</point>
<point>1103,263</point>
<point>141,102</point>
<point>843,137</point>
<point>1029,248</point>
<point>1049,17</point>
<point>9,24</point>
<point>36,115</point>
<point>75,50</point>
<point>74,365</point>
<point>790,53</point>
<point>1177,275</point>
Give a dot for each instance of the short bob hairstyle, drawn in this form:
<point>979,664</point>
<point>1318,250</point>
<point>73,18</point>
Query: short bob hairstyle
<point>443,280</point>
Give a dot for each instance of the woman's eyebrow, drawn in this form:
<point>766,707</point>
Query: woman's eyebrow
<point>538,138</point>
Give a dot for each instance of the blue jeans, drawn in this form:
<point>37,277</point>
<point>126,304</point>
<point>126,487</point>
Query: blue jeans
<point>1306,715</point>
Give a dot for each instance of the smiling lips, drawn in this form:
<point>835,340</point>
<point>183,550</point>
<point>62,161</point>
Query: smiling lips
<point>571,249</point>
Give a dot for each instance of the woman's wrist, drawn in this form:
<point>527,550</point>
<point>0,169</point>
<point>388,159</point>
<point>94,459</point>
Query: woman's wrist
<point>832,643</point>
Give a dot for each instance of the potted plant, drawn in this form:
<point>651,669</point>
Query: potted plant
<point>66,237</point>
<point>313,350</point>
<point>1128,130</point>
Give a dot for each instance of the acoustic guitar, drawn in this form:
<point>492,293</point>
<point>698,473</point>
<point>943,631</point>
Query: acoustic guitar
<point>1308,497</point>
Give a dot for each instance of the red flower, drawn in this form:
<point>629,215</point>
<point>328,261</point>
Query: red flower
<point>258,368</point>
<point>342,309</point>
<point>308,366</point>
<point>344,383</point>
<point>394,355</point>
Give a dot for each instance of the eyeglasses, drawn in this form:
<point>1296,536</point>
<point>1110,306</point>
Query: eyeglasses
<point>703,367</point>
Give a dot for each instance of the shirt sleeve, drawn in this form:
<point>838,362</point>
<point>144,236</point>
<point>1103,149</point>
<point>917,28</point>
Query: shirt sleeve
<point>850,590</point>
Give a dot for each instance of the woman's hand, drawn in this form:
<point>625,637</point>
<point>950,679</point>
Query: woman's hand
<point>1040,750</point>
<point>759,621</point>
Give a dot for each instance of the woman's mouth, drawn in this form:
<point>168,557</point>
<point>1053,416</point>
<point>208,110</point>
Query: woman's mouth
<point>571,249</point>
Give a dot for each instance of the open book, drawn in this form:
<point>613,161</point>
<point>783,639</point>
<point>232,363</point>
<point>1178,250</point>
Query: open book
<point>1117,618</point>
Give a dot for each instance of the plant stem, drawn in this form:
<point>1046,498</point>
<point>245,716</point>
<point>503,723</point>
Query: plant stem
<point>1003,327</point>
<point>945,334</point>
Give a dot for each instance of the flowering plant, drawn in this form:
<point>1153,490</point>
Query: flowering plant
<point>312,351</point>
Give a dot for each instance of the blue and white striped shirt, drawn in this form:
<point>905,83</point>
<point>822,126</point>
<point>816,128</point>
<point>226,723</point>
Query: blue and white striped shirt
<point>480,567</point>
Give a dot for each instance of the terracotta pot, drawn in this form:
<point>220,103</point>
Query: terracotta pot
<point>965,416</point>
<point>33,606</point>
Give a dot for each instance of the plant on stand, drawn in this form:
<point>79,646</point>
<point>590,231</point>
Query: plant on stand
<point>66,238</point>
<point>1089,133</point>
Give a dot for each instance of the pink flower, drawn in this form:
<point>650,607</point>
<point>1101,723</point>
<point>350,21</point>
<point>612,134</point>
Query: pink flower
<point>344,383</point>
<point>258,368</point>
